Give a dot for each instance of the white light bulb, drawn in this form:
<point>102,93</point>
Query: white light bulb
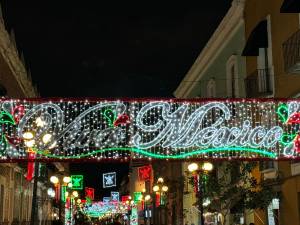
<point>46,138</point>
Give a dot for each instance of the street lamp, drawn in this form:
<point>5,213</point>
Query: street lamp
<point>57,184</point>
<point>198,170</point>
<point>160,188</point>
<point>147,211</point>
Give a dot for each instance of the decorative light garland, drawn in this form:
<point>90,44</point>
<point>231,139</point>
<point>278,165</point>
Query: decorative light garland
<point>163,129</point>
<point>97,209</point>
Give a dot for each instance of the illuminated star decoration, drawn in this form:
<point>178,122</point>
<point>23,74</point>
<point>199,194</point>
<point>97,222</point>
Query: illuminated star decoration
<point>109,180</point>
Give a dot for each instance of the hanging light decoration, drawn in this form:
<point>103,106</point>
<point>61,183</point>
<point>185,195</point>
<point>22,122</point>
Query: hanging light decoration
<point>71,129</point>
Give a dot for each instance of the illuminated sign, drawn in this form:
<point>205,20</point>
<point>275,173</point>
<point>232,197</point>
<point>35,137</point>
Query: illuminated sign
<point>77,182</point>
<point>109,180</point>
<point>106,199</point>
<point>137,196</point>
<point>134,216</point>
<point>97,209</point>
<point>125,198</point>
<point>89,193</point>
<point>115,196</point>
<point>144,173</point>
<point>162,129</point>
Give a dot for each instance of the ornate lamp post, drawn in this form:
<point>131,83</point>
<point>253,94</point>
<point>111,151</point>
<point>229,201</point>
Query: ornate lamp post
<point>147,215</point>
<point>198,171</point>
<point>160,190</point>
<point>66,181</point>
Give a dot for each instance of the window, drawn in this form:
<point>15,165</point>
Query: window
<point>211,88</point>
<point>232,77</point>
<point>262,71</point>
<point>266,165</point>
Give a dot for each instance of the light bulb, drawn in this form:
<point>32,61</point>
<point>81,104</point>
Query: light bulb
<point>193,167</point>
<point>46,138</point>
<point>67,179</point>
<point>165,188</point>
<point>54,179</point>
<point>28,135</point>
<point>156,188</point>
<point>30,143</point>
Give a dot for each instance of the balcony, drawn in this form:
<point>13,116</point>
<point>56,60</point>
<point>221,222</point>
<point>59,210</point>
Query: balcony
<point>258,84</point>
<point>291,54</point>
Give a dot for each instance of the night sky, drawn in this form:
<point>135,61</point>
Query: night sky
<point>97,49</point>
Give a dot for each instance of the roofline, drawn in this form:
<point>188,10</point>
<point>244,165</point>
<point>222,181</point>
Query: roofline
<point>233,19</point>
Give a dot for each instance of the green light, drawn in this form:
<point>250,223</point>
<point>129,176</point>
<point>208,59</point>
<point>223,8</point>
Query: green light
<point>63,193</point>
<point>6,118</point>
<point>137,196</point>
<point>282,112</point>
<point>287,139</point>
<point>77,182</point>
<point>160,156</point>
<point>110,116</point>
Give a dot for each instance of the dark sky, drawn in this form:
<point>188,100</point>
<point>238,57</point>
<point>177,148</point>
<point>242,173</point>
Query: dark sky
<point>128,49</point>
<point>92,48</point>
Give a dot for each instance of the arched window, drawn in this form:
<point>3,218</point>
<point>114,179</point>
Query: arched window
<point>211,89</point>
<point>232,77</point>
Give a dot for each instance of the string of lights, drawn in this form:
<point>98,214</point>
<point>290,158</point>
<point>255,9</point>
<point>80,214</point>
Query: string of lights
<point>67,129</point>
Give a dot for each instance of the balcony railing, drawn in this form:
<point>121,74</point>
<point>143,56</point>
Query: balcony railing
<point>258,84</point>
<point>291,53</point>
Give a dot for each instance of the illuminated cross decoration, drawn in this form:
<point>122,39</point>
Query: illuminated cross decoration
<point>115,196</point>
<point>109,180</point>
<point>77,182</point>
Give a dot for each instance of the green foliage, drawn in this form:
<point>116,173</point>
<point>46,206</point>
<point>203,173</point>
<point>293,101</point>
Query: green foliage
<point>232,188</point>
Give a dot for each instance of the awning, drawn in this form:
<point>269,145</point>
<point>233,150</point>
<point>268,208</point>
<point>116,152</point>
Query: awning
<point>257,39</point>
<point>290,6</point>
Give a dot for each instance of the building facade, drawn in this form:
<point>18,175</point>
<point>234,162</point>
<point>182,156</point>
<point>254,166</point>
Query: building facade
<point>218,72</point>
<point>16,192</point>
<point>272,61</point>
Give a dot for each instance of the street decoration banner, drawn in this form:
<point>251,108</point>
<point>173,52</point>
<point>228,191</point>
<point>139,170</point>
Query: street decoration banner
<point>109,180</point>
<point>144,173</point>
<point>125,198</point>
<point>98,209</point>
<point>115,196</point>
<point>137,197</point>
<point>89,193</point>
<point>106,199</point>
<point>77,182</point>
<point>97,129</point>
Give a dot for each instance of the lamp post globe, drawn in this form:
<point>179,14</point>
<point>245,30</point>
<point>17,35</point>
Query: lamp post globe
<point>207,166</point>
<point>193,167</point>
<point>75,194</point>
<point>147,198</point>
<point>156,188</point>
<point>67,180</point>
<point>165,188</point>
<point>160,180</point>
<point>54,180</point>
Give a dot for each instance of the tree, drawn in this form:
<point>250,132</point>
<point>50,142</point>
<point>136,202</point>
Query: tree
<point>232,186</point>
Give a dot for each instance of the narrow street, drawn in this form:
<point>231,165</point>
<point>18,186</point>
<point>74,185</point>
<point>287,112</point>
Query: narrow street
<point>150,113</point>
